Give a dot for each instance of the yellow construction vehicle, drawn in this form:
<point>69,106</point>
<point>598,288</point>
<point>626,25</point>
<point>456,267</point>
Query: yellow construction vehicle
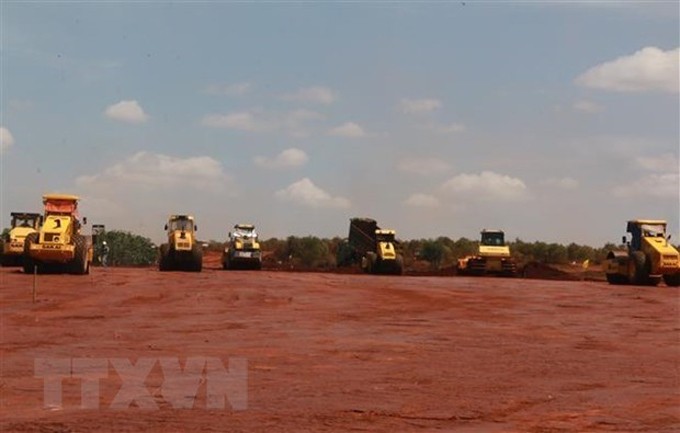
<point>243,249</point>
<point>23,224</point>
<point>59,246</point>
<point>650,257</point>
<point>182,251</point>
<point>374,248</point>
<point>493,257</point>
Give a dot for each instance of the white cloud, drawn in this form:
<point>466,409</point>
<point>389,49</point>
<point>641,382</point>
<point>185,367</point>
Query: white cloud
<point>423,166</point>
<point>650,69</point>
<point>419,106</point>
<point>126,111</point>
<point>305,193</point>
<point>156,171</point>
<point>6,139</point>
<point>655,185</point>
<point>348,129</point>
<point>422,201</point>
<point>486,186</point>
<point>289,158</point>
<point>316,95</point>
<point>294,123</point>
<point>237,89</point>
<point>664,163</point>
<point>587,106</point>
<point>452,128</point>
<point>566,183</point>
<point>241,121</point>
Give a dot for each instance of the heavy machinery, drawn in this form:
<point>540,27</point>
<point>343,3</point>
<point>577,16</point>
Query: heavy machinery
<point>23,224</point>
<point>374,248</point>
<point>243,249</point>
<point>182,251</point>
<point>650,257</point>
<point>492,258</point>
<point>59,246</point>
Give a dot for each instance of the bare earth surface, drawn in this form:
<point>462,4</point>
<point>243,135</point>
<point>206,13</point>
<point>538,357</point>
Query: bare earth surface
<point>350,353</point>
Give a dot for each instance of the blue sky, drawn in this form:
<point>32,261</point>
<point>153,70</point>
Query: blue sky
<point>553,121</point>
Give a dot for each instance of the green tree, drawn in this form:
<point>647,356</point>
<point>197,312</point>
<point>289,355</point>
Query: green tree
<point>127,249</point>
<point>464,247</point>
<point>434,251</point>
<point>310,251</point>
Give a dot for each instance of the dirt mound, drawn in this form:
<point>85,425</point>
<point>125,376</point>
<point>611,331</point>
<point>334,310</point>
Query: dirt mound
<point>537,270</point>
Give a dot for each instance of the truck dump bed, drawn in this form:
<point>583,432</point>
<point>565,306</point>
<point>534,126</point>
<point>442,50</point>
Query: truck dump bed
<point>362,234</point>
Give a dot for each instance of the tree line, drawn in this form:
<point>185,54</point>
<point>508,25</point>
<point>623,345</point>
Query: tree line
<point>129,249</point>
<point>442,252</point>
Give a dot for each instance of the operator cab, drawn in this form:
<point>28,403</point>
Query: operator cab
<point>639,229</point>
<point>244,231</point>
<point>26,220</point>
<point>495,238</point>
<point>384,236</point>
<point>181,223</point>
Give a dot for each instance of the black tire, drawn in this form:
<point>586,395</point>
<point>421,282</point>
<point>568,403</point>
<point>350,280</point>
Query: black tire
<point>617,279</point>
<point>226,262</point>
<point>79,264</point>
<point>164,259</point>
<point>29,263</point>
<point>640,268</point>
<point>672,280</point>
<point>399,266</point>
<point>10,260</point>
<point>653,281</point>
<point>196,258</point>
<point>371,263</point>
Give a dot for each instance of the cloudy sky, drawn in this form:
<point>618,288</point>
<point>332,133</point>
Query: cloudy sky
<point>553,121</point>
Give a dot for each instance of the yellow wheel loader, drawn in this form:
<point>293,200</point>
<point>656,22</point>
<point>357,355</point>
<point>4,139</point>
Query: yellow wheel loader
<point>243,249</point>
<point>59,246</point>
<point>492,258</point>
<point>649,259</point>
<point>23,224</point>
<point>374,248</point>
<point>182,252</point>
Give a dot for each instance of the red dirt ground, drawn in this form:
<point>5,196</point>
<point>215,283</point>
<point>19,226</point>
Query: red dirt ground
<point>336,353</point>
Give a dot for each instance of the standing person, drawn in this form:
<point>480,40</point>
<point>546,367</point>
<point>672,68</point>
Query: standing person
<point>104,254</point>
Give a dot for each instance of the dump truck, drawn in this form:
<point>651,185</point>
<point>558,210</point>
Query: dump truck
<point>182,252</point>
<point>649,258</point>
<point>372,247</point>
<point>22,224</point>
<point>59,246</point>
<point>492,257</point>
<point>242,250</point>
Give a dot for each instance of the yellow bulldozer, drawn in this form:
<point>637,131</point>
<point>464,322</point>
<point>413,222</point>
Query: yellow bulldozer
<point>182,252</point>
<point>492,258</point>
<point>23,224</point>
<point>243,249</point>
<point>59,246</point>
<point>649,259</point>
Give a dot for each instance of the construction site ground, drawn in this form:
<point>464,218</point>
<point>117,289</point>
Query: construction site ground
<point>330,352</point>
